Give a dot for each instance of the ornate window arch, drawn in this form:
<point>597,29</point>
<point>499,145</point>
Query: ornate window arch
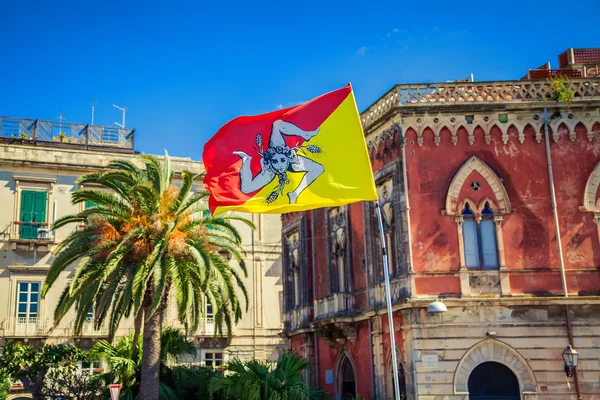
<point>339,250</point>
<point>475,164</point>
<point>295,269</point>
<point>389,378</point>
<point>478,201</point>
<point>590,201</point>
<point>495,351</point>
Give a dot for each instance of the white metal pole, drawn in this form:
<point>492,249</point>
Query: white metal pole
<point>92,115</point>
<point>389,304</point>
<point>554,209</point>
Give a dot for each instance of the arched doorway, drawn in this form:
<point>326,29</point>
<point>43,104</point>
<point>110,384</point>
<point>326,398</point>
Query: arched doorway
<point>389,379</point>
<point>493,381</point>
<point>346,379</point>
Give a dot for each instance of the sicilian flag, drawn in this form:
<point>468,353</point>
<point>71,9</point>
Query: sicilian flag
<point>300,158</point>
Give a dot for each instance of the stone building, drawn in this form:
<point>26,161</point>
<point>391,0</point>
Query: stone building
<point>463,176</point>
<point>39,164</point>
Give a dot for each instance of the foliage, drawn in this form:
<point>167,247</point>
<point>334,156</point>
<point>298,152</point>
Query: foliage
<point>71,384</point>
<point>560,91</point>
<point>124,366</point>
<point>32,365</point>
<point>255,380</point>
<point>174,344</point>
<point>138,242</point>
<point>4,387</point>
<point>193,382</point>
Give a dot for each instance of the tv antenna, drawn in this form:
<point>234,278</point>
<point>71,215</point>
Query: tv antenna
<point>60,118</point>
<point>123,110</point>
<point>94,104</point>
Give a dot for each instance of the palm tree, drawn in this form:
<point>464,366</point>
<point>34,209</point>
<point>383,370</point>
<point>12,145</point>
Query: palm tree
<point>257,380</point>
<point>124,365</point>
<point>140,241</point>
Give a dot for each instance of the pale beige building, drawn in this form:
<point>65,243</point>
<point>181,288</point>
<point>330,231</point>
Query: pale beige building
<point>40,162</point>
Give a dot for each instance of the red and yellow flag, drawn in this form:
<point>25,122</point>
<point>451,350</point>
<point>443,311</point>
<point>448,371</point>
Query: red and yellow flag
<point>300,158</point>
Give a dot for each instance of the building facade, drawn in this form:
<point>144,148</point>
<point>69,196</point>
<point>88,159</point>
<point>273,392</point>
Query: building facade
<point>40,162</point>
<point>466,187</point>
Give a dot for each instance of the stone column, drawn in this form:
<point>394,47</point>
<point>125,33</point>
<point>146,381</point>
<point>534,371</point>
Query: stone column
<point>504,281</point>
<point>597,221</point>
<point>465,288</point>
<point>378,361</point>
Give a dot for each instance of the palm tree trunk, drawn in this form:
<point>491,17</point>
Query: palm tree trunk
<point>149,385</point>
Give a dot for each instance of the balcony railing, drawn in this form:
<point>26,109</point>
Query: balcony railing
<point>88,330</point>
<point>337,304</point>
<point>26,326</point>
<point>296,319</point>
<point>461,93</point>
<point>34,231</point>
<point>66,133</point>
<point>377,295</point>
<point>207,328</point>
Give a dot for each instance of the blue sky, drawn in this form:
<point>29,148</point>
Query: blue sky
<point>183,69</point>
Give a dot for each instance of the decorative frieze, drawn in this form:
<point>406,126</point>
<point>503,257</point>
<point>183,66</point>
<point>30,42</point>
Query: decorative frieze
<point>443,129</point>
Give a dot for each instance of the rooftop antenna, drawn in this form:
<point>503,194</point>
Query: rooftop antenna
<point>94,104</point>
<point>123,110</point>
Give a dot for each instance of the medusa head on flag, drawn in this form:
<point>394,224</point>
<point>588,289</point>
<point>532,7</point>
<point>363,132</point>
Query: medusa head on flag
<point>278,160</point>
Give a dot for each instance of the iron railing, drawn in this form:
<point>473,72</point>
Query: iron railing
<point>463,93</point>
<point>66,133</point>
<point>34,231</point>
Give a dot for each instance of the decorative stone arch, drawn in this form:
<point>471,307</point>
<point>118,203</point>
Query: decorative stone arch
<point>343,357</point>
<point>591,188</point>
<point>19,396</point>
<point>389,383</point>
<point>590,203</point>
<point>475,164</point>
<point>495,351</point>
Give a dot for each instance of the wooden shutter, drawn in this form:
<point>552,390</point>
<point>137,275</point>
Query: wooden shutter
<point>39,209</point>
<point>488,244</point>
<point>33,209</point>
<point>470,243</point>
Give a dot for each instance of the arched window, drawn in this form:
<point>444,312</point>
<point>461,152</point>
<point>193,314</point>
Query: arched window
<point>479,235</point>
<point>389,229</point>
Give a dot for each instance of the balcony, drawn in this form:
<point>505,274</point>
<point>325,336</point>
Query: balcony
<point>450,94</point>
<point>88,330</point>
<point>26,327</point>
<point>335,305</point>
<point>66,134</point>
<point>29,236</point>
<point>398,290</point>
<point>296,319</point>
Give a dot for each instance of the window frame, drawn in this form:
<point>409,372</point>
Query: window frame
<point>478,218</point>
<point>213,359</point>
<point>31,183</point>
<point>29,292</point>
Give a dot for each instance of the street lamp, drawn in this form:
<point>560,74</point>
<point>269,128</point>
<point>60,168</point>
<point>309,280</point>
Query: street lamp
<point>570,356</point>
<point>437,307</point>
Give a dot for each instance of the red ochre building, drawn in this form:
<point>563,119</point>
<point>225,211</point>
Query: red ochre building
<point>463,178</point>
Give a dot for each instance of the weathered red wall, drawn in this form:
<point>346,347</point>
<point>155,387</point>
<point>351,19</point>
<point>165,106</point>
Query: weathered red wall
<point>361,357</point>
<point>528,232</point>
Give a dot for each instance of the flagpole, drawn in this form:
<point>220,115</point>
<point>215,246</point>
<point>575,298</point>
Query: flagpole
<point>388,299</point>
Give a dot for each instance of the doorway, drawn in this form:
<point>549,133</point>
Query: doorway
<point>347,380</point>
<point>493,381</point>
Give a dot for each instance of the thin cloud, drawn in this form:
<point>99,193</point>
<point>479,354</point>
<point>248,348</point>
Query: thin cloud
<point>279,106</point>
<point>361,52</point>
